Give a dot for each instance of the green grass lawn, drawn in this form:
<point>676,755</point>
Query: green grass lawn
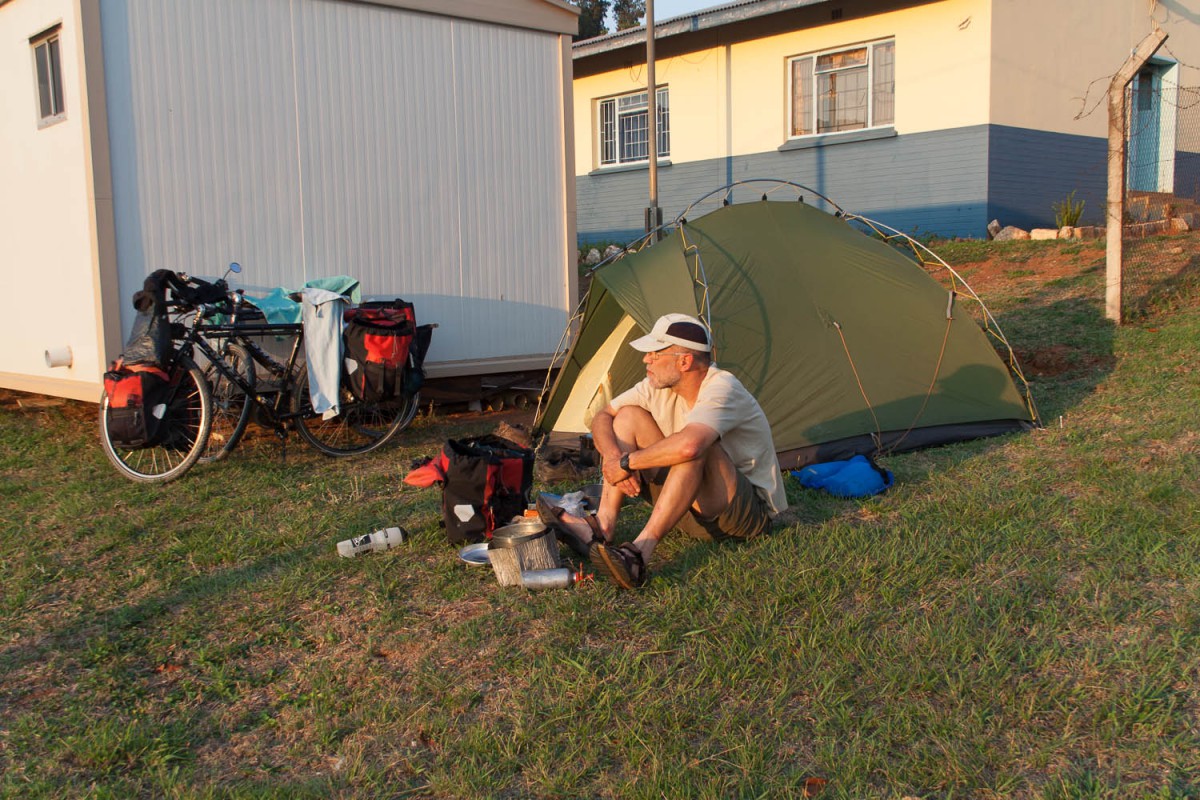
<point>1017,617</point>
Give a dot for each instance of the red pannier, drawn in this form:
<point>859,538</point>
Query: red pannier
<point>488,483</point>
<point>377,339</point>
<point>138,395</point>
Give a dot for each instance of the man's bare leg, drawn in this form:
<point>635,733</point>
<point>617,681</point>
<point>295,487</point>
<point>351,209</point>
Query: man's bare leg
<point>705,485</point>
<point>635,429</point>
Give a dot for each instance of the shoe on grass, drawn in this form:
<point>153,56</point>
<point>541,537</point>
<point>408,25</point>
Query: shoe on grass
<point>623,565</point>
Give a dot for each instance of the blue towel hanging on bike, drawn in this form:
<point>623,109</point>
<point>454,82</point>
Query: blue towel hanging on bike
<point>322,315</point>
<point>278,305</point>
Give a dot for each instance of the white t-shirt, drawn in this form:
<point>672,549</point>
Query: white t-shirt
<point>726,406</point>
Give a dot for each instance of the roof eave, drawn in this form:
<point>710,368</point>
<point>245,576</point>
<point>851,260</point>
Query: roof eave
<point>688,23</point>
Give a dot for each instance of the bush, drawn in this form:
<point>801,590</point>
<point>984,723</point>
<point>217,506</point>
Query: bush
<point>1068,212</point>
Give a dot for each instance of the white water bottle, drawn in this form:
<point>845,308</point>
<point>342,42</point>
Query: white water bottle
<point>384,539</point>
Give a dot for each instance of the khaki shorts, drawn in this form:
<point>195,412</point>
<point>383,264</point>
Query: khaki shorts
<point>746,516</point>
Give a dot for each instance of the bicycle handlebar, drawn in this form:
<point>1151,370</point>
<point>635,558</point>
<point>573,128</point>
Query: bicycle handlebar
<point>187,293</point>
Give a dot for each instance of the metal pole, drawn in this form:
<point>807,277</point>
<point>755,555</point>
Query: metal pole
<point>652,213</point>
<point>1116,169</point>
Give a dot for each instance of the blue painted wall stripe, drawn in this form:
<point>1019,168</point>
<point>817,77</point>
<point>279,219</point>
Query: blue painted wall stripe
<point>905,181</point>
<point>950,182</point>
<point>1029,171</point>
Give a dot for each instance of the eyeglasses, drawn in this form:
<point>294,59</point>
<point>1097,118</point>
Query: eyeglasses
<point>657,354</point>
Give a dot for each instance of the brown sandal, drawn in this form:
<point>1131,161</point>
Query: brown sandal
<point>623,564</point>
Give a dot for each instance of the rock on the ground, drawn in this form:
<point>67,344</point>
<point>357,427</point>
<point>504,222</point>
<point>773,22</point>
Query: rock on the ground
<point>592,258</point>
<point>1179,225</point>
<point>993,228</point>
<point>1011,233</point>
<point>611,251</point>
<point>1141,230</point>
<point>1043,234</point>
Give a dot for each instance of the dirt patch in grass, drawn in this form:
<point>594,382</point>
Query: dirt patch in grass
<point>999,274</point>
<point>1059,359</point>
<point>1155,268</point>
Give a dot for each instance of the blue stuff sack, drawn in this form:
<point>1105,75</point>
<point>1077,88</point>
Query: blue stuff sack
<point>858,477</point>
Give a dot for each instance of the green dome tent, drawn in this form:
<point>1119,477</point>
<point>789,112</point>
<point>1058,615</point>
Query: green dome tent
<point>849,345</point>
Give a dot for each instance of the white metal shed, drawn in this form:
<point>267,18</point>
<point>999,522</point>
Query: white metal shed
<point>421,146</point>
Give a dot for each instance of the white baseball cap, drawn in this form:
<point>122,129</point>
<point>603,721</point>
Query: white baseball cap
<point>677,329</point>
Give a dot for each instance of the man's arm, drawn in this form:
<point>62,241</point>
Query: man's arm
<point>686,445</point>
<point>610,453</point>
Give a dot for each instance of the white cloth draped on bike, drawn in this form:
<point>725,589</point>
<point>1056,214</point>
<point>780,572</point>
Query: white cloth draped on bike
<point>321,312</point>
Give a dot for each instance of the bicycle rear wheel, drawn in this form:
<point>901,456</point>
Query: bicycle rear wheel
<point>189,415</point>
<point>231,409</point>
<point>359,428</point>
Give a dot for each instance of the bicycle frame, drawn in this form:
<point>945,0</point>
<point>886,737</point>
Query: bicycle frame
<point>275,408</point>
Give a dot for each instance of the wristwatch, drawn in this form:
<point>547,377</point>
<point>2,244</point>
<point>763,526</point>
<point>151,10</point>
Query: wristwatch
<point>625,464</point>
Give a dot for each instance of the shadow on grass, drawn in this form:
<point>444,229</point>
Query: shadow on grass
<point>680,556</point>
<point>73,635</point>
<point>1064,345</point>
<point>1163,292</point>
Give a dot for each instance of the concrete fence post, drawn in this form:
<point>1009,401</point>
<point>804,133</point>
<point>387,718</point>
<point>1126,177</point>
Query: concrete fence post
<point>1117,143</point>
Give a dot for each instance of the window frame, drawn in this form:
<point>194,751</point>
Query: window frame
<point>609,130</point>
<point>48,73</point>
<point>813,78</point>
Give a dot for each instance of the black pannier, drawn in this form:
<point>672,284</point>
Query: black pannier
<point>378,338</point>
<point>488,482</point>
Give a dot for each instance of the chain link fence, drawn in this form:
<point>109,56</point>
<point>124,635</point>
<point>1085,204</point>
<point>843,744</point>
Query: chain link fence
<point>1162,196</point>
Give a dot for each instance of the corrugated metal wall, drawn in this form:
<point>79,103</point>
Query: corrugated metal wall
<point>305,138</point>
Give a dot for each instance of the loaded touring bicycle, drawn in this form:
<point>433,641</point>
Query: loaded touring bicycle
<point>194,373</point>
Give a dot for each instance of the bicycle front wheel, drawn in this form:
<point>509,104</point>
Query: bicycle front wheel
<point>231,408</point>
<point>359,428</point>
<point>189,417</point>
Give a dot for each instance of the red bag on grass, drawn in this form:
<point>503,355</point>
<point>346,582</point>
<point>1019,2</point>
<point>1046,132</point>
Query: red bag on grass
<point>486,482</point>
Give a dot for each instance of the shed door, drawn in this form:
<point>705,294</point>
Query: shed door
<point>1151,159</point>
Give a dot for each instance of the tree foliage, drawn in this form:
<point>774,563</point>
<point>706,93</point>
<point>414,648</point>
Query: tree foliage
<point>591,18</point>
<point>629,13</point>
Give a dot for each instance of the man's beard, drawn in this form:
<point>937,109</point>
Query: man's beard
<point>659,382</point>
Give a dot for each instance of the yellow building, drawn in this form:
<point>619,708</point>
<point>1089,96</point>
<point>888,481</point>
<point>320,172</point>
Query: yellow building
<point>930,115</point>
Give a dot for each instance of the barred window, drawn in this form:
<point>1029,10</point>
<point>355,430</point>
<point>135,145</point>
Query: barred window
<point>624,128</point>
<point>844,90</point>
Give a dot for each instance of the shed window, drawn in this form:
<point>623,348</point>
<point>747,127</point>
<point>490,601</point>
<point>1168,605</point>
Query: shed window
<point>844,90</point>
<point>48,66</point>
<point>623,128</point>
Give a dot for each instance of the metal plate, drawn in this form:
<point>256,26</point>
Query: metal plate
<point>475,554</point>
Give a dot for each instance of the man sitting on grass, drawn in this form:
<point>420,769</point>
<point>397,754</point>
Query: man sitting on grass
<point>690,439</point>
